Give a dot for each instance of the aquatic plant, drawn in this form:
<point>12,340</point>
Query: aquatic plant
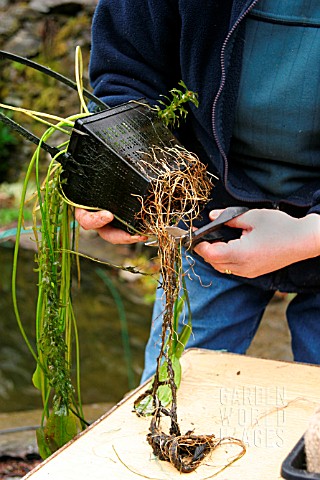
<point>56,330</point>
<point>173,109</point>
<point>55,234</point>
<point>57,347</point>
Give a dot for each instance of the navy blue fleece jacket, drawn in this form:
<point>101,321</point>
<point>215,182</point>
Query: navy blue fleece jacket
<point>142,48</point>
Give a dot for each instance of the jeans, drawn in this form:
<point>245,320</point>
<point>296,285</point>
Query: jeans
<point>226,313</point>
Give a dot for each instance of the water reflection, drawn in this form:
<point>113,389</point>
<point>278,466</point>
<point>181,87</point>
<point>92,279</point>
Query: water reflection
<point>103,367</point>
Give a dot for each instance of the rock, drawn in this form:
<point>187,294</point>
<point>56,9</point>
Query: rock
<point>18,429</point>
<point>18,433</point>
<point>61,6</point>
<point>24,13</point>
<point>36,29</point>
<point>23,44</point>
<point>9,24</point>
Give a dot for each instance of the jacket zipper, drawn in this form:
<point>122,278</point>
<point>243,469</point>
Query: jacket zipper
<point>274,204</point>
<point>223,80</point>
<point>222,84</point>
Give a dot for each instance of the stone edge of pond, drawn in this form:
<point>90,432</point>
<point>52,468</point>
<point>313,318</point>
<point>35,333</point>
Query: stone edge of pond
<point>17,429</point>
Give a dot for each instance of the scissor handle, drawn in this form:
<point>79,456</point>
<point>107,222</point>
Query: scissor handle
<point>222,234</point>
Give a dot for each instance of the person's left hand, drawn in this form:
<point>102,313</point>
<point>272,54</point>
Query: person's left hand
<point>271,239</point>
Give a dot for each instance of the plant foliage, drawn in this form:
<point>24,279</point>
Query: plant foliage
<point>57,348</point>
<point>173,109</point>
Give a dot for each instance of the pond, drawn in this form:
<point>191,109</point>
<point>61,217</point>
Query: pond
<point>104,374</point>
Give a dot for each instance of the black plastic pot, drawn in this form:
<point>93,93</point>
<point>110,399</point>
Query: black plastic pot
<point>109,165</point>
<point>294,466</point>
<point>104,167</point>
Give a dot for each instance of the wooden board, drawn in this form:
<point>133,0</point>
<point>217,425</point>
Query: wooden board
<point>266,404</point>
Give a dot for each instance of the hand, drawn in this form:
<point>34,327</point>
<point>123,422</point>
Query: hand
<point>271,239</point>
<point>99,221</point>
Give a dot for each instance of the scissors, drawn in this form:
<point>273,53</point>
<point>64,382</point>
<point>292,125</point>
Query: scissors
<point>215,231</point>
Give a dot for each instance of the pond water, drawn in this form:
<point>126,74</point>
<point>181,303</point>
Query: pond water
<point>104,376</point>
<point>103,366</point>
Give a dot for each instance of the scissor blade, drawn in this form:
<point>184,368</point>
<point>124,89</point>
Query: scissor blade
<point>152,242</point>
<point>176,232</point>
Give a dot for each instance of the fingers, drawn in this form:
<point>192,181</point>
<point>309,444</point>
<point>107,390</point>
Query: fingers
<point>117,236</point>
<point>99,221</point>
<point>242,221</point>
<point>93,220</point>
<point>221,256</point>
<point>215,253</point>
<point>262,247</point>
<point>215,214</point>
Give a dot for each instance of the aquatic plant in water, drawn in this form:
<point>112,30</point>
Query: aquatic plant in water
<point>55,234</point>
<point>57,347</point>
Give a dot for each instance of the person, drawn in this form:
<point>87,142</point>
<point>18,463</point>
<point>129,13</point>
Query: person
<point>255,66</point>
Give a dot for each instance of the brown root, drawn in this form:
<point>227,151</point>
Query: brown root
<point>184,452</point>
<point>178,195</point>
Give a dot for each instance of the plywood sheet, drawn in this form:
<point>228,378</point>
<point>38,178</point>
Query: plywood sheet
<point>264,403</point>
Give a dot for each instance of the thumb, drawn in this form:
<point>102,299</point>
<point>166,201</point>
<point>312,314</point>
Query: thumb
<point>241,221</point>
<point>215,214</point>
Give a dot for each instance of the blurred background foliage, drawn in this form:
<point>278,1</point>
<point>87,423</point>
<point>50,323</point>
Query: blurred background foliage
<point>47,32</point>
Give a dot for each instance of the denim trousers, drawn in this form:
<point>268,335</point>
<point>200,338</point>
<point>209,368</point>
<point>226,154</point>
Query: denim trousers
<point>227,310</point>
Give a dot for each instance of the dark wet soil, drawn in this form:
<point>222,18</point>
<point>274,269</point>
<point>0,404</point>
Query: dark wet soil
<point>17,467</point>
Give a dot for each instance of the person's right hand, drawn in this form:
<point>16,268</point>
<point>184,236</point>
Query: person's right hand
<point>99,221</point>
